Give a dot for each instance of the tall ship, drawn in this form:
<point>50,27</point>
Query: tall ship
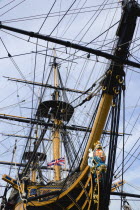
<point>69,111</point>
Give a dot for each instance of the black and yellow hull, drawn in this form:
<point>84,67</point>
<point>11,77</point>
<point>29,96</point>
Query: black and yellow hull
<point>79,195</point>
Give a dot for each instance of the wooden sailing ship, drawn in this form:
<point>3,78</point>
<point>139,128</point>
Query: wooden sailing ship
<point>88,182</point>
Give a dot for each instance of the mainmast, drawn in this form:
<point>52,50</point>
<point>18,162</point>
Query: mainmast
<point>57,123</point>
<point>57,112</point>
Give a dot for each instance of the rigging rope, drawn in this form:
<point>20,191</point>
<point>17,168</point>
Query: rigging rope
<point>112,151</point>
<point>7,4</point>
<point>63,17</point>
<point>12,8</point>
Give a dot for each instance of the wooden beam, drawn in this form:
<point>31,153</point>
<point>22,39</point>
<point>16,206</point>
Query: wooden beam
<point>23,165</point>
<point>20,136</point>
<point>124,194</point>
<point>41,122</point>
<point>71,45</point>
<point>47,85</point>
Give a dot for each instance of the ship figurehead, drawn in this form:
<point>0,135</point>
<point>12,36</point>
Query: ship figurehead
<point>96,160</point>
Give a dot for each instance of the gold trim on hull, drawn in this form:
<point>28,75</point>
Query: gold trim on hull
<point>84,182</point>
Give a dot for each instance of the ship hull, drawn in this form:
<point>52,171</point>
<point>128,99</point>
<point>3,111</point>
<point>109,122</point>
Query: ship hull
<point>79,195</point>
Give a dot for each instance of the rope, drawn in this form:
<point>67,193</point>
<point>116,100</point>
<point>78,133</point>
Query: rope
<point>98,181</point>
<point>112,151</point>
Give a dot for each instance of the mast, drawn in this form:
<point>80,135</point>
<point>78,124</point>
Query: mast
<point>56,149</point>
<point>33,170</point>
<point>56,132</point>
<point>57,112</point>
